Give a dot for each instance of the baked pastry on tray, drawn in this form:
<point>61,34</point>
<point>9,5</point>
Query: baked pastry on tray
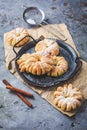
<point>16,35</point>
<point>35,63</point>
<point>67,98</point>
<point>60,67</point>
<point>47,47</point>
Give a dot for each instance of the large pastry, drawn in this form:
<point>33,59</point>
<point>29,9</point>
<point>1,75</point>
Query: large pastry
<point>67,97</point>
<point>47,47</point>
<point>60,67</point>
<point>35,64</point>
<point>16,35</point>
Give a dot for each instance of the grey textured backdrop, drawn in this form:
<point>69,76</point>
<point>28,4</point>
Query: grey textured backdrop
<point>14,114</point>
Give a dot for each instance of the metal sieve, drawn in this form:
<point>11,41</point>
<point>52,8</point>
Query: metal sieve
<point>35,16</point>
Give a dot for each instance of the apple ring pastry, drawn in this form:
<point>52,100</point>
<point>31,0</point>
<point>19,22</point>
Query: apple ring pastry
<point>67,98</point>
<point>47,46</point>
<point>35,64</point>
<point>16,35</point>
<point>60,67</point>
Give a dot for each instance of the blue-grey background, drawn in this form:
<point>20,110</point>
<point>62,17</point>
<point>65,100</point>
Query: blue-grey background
<point>14,114</point>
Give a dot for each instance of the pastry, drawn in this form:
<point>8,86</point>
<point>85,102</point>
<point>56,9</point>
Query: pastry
<point>47,47</point>
<point>67,98</point>
<point>60,67</point>
<point>35,64</point>
<point>16,35</point>
<point>21,61</point>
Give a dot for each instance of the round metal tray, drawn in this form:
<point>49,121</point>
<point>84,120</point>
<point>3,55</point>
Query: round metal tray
<point>44,80</point>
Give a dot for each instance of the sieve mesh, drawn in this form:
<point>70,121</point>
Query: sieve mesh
<point>33,16</point>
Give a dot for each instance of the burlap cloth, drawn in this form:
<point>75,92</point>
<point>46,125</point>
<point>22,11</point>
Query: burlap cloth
<point>79,80</point>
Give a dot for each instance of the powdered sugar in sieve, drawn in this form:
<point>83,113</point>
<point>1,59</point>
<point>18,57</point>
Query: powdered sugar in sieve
<point>33,15</point>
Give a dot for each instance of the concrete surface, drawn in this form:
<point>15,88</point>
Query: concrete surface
<point>14,114</point>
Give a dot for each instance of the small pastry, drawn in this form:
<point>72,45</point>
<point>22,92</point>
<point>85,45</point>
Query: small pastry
<point>67,98</point>
<point>60,67</point>
<point>47,47</point>
<point>16,35</point>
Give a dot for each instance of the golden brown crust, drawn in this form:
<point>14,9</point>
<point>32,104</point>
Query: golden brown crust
<point>35,64</point>
<point>60,67</point>
<point>16,35</point>
<point>47,47</point>
<point>67,98</point>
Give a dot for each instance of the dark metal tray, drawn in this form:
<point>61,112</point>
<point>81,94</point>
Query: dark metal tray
<point>47,81</point>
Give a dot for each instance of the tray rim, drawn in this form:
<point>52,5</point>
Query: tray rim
<point>75,56</point>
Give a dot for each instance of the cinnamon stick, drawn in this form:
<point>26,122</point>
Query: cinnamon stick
<point>24,99</point>
<point>9,86</point>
